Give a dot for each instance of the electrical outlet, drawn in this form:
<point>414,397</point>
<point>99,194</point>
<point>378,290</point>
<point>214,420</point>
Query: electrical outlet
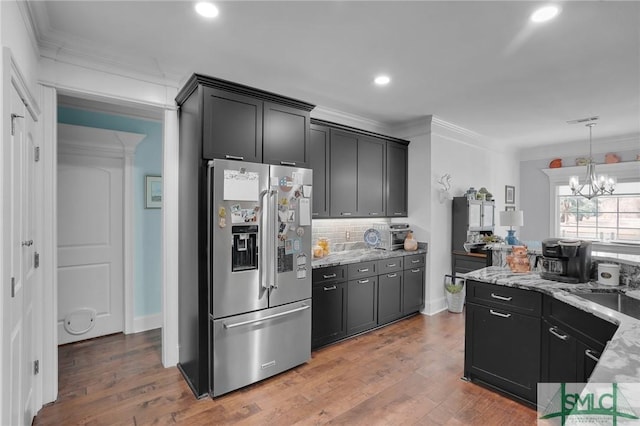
<point>347,235</point>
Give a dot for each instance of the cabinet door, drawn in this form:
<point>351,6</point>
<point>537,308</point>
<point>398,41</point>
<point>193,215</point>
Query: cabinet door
<point>329,313</point>
<point>413,292</point>
<point>588,357</point>
<point>389,297</point>
<point>559,355</point>
<point>371,172</point>
<point>286,136</point>
<point>343,173</point>
<point>232,126</point>
<point>319,162</point>
<point>502,348</point>
<point>475,216</point>
<point>362,305</point>
<point>396,191</point>
<point>487,216</point>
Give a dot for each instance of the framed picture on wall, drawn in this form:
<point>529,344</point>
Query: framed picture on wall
<point>153,192</point>
<point>509,194</point>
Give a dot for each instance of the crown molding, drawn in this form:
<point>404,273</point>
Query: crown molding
<point>455,133</point>
<point>118,108</point>
<point>31,15</point>
<point>629,142</point>
<point>352,120</point>
<point>413,128</point>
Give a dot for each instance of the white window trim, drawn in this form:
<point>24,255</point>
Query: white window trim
<point>629,170</point>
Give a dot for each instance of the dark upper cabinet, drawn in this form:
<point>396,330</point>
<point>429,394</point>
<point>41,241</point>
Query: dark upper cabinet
<point>318,162</point>
<point>371,168</point>
<point>343,173</point>
<point>244,123</point>
<point>232,126</point>
<point>286,135</point>
<point>397,185</point>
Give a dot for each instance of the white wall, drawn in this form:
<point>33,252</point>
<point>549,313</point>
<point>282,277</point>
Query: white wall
<point>534,192</point>
<point>436,148</point>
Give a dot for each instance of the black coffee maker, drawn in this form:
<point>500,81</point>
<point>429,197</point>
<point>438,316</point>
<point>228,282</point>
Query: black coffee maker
<point>567,261</point>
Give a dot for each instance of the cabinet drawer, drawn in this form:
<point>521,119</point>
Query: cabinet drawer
<point>331,273</point>
<point>390,265</point>
<point>585,326</point>
<point>363,269</point>
<point>414,261</point>
<point>512,299</point>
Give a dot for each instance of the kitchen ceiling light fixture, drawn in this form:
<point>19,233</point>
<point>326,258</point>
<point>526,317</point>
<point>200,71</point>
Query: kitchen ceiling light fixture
<point>382,80</point>
<point>593,185</point>
<point>206,9</point>
<point>545,13</point>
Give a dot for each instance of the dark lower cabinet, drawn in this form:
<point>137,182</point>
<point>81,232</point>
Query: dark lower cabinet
<point>463,262</point>
<point>572,342</point>
<point>413,294</point>
<point>362,306</point>
<point>329,313</point>
<point>502,349</point>
<point>516,338</point>
<point>389,297</point>
<point>354,298</point>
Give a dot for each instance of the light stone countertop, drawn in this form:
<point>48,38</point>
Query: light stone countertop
<point>362,255</point>
<point>620,361</point>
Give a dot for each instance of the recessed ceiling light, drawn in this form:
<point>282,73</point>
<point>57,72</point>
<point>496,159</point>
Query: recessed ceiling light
<point>382,80</point>
<point>206,9</point>
<point>545,13</point>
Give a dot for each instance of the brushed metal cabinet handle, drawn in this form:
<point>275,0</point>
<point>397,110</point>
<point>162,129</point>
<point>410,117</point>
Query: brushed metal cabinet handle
<point>363,270</point>
<point>234,157</point>
<point>326,277</point>
<point>333,287</point>
<point>499,314</point>
<point>506,299</point>
<point>591,354</point>
<point>391,265</point>
<point>346,214</point>
<point>392,275</point>
<point>415,271</point>
<point>416,261</point>
<point>553,330</point>
<point>363,281</point>
<point>288,163</point>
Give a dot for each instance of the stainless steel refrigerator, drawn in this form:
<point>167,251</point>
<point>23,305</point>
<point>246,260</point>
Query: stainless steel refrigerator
<point>259,270</point>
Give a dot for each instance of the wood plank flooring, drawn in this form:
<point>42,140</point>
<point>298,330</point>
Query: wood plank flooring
<point>407,373</point>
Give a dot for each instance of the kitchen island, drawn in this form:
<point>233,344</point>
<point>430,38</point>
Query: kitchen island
<point>619,362</point>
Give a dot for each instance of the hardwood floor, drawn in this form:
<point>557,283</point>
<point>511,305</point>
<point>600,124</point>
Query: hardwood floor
<point>407,373</point>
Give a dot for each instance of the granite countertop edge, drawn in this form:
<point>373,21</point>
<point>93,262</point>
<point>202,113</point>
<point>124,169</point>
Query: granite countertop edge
<point>361,255</point>
<point>620,361</point>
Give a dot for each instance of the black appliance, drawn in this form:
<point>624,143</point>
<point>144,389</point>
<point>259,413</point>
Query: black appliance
<point>567,261</point>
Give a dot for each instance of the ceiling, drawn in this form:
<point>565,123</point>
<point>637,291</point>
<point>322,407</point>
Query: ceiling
<point>480,65</point>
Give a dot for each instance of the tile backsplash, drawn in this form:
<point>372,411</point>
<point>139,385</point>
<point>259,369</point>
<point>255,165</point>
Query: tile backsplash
<point>343,233</point>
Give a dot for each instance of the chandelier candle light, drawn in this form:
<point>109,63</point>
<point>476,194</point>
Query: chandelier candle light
<point>593,185</point>
<point>511,218</point>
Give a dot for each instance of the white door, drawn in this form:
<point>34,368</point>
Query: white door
<point>90,247</point>
<point>18,296</point>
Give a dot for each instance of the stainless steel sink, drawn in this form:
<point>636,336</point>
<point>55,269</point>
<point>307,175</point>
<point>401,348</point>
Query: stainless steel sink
<point>617,301</point>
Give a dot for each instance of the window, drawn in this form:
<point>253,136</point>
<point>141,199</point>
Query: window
<point>607,218</point>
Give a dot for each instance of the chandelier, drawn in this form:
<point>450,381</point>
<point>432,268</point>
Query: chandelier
<point>593,185</point>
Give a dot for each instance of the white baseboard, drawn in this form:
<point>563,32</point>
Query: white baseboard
<point>432,307</point>
<point>148,322</point>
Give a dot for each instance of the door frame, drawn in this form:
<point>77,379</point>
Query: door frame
<point>49,262</point>
<point>119,145</point>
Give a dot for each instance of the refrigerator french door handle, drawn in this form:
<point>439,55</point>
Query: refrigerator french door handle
<point>274,239</point>
<point>264,231</point>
